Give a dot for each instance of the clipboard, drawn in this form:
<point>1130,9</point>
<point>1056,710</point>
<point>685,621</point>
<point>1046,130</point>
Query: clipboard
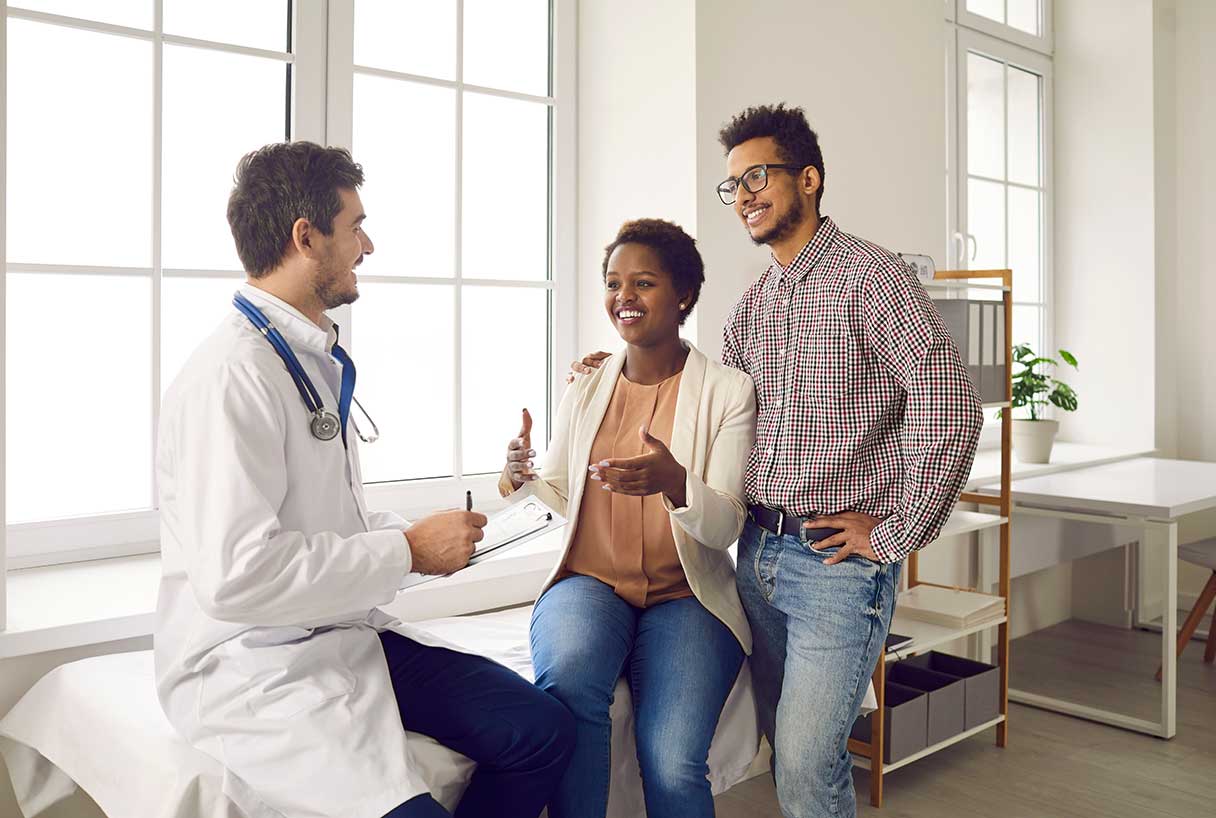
<point>525,518</point>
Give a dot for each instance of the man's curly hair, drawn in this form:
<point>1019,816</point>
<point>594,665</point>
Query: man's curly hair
<point>796,142</point>
<point>676,250</point>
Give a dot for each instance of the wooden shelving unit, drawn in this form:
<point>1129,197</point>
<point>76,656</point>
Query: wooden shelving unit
<point>925,637</point>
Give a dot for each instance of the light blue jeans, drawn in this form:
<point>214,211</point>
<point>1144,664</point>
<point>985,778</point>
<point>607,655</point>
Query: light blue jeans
<point>681,663</point>
<point>817,631</point>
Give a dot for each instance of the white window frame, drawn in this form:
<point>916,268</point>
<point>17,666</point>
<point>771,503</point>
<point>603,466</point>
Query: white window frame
<point>1044,44</point>
<point>417,496</point>
<point>25,545</point>
<point>962,38</point>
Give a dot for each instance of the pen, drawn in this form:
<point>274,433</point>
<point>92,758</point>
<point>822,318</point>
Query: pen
<point>468,501</point>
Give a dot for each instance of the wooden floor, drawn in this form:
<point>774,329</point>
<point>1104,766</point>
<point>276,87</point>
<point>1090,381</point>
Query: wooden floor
<point>1056,766</point>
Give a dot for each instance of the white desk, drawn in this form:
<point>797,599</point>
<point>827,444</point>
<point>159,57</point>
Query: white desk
<point>1146,494</point>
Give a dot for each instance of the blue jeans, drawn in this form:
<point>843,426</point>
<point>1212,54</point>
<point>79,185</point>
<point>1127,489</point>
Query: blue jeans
<point>682,663</point>
<point>520,737</point>
<point>817,631</point>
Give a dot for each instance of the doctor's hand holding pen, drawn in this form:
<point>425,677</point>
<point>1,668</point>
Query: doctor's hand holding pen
<point>520,454</point>
<point>443,542</point>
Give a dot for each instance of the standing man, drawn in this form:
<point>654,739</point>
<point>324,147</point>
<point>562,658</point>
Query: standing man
<point>271,655</point>
<point>867,426</point>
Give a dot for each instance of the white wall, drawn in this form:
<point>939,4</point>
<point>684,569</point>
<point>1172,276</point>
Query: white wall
<point>870,74</point>
<point>1186,331</point>
<point>1104,216</point>
<point>1185,51</point>
<point>636,135</point>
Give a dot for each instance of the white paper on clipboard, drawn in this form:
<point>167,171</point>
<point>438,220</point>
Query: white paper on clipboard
<point>525,518</point>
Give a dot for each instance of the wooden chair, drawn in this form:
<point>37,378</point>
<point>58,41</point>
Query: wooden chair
<point>1200,553</point>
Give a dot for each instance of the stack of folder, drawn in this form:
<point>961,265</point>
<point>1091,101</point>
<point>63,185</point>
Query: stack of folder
<point>949,607</point>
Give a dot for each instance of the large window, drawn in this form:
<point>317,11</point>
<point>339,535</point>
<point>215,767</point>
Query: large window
<point>454,134</point>
<point>1000,162</point>
<point>124,122</point>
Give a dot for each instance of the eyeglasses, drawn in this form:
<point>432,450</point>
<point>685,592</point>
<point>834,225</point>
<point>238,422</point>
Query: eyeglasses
<point>755,179</point>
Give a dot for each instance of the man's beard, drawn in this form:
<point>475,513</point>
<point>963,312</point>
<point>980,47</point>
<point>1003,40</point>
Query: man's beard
<point>785,226</point>
<point>327,285</point>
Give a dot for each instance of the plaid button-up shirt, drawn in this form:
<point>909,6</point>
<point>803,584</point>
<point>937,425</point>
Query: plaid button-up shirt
<point>863,402</point>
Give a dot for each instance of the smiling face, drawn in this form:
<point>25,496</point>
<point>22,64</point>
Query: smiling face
<point>335,283</point>
<point>640,296</point>
<point>784,205</point>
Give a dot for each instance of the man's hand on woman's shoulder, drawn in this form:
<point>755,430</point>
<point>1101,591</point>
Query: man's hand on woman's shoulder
<point>587,365</point>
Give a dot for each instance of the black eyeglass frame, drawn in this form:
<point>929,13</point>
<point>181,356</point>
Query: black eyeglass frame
<point>739,180</point>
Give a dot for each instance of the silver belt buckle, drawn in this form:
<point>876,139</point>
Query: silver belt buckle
<point>781,523</point>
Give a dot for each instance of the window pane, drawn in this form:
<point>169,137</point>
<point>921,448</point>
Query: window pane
<point>133,13</point>
<point>78,414</point>
<point>1025,243</point>
<point>405,138</point>
<point>502,324</point>
<point>79,167</point>
<point>403,343</point>
<point>992,9</point>
<point>411,36</point>
<point>1027,328</point>
<point>1024,15</point>
<point>985,117</point>
<point>986,222</point>
<point>506,45</point>
<point>253,23</point>
<point>203,88</point>
<point>190,310</point>
<point>506,203</point>
<point>1024,126</point>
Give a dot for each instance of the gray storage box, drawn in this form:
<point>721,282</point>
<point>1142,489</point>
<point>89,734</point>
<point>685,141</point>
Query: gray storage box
<point>981,684</point>
<point>978,330</point>
<point>945,698</point>
<point>905,719</point>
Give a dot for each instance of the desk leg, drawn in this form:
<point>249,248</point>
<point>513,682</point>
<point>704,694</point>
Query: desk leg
<point>1167,535</point>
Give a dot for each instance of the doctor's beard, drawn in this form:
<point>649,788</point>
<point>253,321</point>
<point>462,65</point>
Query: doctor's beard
<point>329,285</point>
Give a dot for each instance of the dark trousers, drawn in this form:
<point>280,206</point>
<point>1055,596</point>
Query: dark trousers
<point>520,736</point>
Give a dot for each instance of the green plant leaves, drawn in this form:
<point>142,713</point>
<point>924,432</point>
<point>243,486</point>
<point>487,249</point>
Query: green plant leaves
<point>1033,389</point>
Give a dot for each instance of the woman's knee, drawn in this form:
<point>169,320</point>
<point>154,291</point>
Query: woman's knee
<point>672,767</point>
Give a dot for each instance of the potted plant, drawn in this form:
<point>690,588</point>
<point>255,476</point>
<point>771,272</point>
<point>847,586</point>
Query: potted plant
<point>1034,389</point>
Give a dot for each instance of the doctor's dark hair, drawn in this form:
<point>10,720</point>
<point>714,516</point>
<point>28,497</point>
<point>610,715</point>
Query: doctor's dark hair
<point>676,250</point>
<point>797,144</point>
<point>279,183</point>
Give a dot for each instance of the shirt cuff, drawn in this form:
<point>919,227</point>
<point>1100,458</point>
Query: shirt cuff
<point>886,540</point>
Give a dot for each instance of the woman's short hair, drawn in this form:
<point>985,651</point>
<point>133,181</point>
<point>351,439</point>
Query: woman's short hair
<point>676,250</point>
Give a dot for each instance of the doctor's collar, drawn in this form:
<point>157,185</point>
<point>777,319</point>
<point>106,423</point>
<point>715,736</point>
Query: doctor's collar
<point>295,326</point>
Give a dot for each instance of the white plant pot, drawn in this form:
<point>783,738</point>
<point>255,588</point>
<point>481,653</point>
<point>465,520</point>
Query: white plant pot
<point>1032,439</point>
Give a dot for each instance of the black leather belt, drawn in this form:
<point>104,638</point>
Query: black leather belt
<point>778,522</point>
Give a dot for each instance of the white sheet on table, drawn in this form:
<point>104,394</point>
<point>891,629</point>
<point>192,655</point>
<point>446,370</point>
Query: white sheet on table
<point>96,723</point>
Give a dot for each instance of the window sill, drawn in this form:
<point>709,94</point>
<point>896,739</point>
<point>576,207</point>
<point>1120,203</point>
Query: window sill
<point>85,603</point>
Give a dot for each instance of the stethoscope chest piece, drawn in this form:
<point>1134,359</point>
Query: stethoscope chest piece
<point>325,425</point>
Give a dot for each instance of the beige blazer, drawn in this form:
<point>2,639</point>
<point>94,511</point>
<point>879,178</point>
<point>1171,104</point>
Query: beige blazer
<point>711,436</point>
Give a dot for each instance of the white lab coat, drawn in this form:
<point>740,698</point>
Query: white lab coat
<point>267,654</point>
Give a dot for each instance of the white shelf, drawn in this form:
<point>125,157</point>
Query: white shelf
<point>864,763</point>
<point>926,636</point>
<point>1000,404</point>
<point>961,284</point>
<point>964,522</point>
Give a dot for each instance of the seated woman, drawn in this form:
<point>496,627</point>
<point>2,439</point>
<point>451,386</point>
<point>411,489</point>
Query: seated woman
<point>647,461</point>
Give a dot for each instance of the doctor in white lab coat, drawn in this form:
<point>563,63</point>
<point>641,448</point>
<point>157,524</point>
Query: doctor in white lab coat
<point>271,655</point>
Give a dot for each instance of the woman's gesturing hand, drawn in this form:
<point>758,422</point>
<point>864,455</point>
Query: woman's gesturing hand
<point>654,471</point>
<point>520,454</point>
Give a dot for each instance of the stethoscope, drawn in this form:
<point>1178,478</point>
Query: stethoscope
<point>325,425</point>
